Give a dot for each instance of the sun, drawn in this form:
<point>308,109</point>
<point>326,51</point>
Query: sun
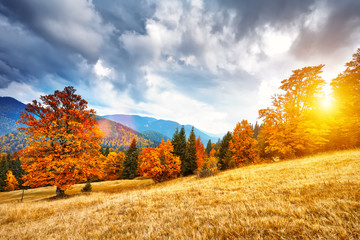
<point>326,102</point>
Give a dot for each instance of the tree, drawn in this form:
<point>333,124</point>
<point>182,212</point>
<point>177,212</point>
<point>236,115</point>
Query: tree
<point>346,91</point>
<point>131,161</point>
<point>225,155</point>
<point>208,148</point>
<point>179,143</point>
<point>113,165</point>
<point>200,153</point>
<point>209,167</point>
<point>64,141</point>
<point>188,166</point>
<point>243,145</point>
<point>290,127</point>
<point>11,182</point>
<point>159,163</point>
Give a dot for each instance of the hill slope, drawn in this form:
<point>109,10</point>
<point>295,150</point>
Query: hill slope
<point>165,127</point>
<point>311,198</point>
<point>10,110</point>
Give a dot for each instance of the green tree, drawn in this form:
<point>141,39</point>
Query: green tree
<point>179,143</point>
<point>131,161</point>
<point>225,153</point>
<point>208,148</point>
<point>188,166</point>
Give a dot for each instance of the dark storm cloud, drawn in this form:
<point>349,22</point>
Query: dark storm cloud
<point>342,25</point>
<point>255,13</point>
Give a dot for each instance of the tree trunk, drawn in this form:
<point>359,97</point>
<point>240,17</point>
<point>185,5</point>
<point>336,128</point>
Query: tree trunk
<point>59,192</point>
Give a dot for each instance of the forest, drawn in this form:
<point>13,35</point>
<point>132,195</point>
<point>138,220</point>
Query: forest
<point>64,137</point>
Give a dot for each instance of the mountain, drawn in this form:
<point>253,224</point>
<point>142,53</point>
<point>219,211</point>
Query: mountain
<point>10,111</point>
<point>165,127</point>
<point>116,135</point>
<point>119,136</point>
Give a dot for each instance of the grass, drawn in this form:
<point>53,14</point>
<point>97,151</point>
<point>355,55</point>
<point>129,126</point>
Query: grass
<point>310,198</point>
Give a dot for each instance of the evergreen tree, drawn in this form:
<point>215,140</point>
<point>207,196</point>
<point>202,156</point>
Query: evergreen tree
<point>5,166</point>
<point>131,162</point>
<point>106,152</point>
<point>208,148</point>
<point>189,165</point>
<point>179,143</point>
<point>225,153</point>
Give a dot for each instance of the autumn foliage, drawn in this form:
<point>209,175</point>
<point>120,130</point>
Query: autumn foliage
<point>64,141</point>
<point>11,182</point>
<point>113,166</point>
<point>159,163</point>
<point>243,145</point>
<point>200,153</point>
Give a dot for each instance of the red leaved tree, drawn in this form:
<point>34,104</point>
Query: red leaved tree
<point>200,153</point>
<point>64,141</point>
<point>159,163</point>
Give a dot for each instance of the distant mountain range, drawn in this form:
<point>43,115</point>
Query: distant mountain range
<point>10,111</point>
<point>165,127</point>
<point>118,129</point>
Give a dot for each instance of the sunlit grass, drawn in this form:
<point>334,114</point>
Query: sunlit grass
<point>311,198</point>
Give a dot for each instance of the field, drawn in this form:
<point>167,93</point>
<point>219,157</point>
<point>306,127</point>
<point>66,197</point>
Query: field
<point>310,198</point>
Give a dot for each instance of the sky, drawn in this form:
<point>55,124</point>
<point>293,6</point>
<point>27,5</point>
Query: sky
<point>208,63</point>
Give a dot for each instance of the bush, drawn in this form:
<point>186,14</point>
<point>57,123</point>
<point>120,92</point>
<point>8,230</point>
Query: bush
<point>87,187</point>
<point>209,168</point>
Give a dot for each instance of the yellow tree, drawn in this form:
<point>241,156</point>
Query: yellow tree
<point>290,127</point>
<point>346,89</point>
<point>243,145</point>
<point>113,165</point>
<point>159,163</point>
<point>64,141</point>
<point>11,182</point>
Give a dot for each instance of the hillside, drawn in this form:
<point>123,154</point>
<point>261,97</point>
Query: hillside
<point>10,110</point>
<point>165,127</point>
<point>310,198</point>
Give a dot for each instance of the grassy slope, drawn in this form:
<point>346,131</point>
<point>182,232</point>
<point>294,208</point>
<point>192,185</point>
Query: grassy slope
<point>316,197</point>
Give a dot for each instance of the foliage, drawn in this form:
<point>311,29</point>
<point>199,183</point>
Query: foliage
<point>113,166</point>
<point>243,145</point>
<point>209,168</point>
<point>346,91</point>
<point>64,141</point>
<point>13,142</point>
<point>130,165</point>
<point>290,127</point>
<point>179,142</point>
<point>11,182</point>
<point>87,187</point>
<point>208,148</point>
<point>225,155</point>
<point>200,153</point>
<point>188,166</point>
<point>7,163</point>
<point>159,163</point>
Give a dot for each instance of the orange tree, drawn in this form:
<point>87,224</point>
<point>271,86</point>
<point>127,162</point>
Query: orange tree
<point>290,127</point>
<point>200,153</point>
<point>64,141</point>
<point>113,166</point>
<point>159,163</point>
<point>242,145</point>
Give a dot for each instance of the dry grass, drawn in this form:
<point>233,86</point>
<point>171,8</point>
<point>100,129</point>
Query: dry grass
<point>310,198</point>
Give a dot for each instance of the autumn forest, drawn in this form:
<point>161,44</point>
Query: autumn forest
<point>64,138</point>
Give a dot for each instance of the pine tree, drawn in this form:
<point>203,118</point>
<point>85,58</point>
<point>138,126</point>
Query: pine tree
<point>225,153</point>
<point>179,143</point>
<point>131,162</point>
<point>208,148</point>
<point>189,165</point>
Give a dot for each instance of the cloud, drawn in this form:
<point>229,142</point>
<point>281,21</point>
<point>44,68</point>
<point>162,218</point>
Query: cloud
<point>180,60</point>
